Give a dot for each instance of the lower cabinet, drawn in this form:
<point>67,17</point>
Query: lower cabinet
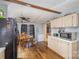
<point>66,49</point>
<point>74,50</point>
<point>2,55</point>
<point>63,49</point>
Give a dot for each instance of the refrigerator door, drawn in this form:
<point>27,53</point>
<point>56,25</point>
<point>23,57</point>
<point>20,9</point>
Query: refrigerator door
<point>8,38</point>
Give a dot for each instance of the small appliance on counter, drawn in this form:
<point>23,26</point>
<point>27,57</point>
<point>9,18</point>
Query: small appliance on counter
<point>67,35</point>
<point>56,34</point>
<point>70,36</point>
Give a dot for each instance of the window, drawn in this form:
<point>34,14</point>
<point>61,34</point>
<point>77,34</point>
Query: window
<point>29,29</point>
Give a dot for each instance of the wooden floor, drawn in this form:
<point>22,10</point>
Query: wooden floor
<point>39,51</point>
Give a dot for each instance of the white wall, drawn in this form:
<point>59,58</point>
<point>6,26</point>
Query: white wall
<point>38,30</point>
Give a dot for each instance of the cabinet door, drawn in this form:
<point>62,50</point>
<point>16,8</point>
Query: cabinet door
<point>57,22</point>
<point>59,47</point>
<point>67,21</point>
<point>49,42</point>
<point>52,23</point>
<point>60,22</point>
<point>52,43</point>
<point>64,49</point>
<point>75,20</point>
<point>73,51</point>
<point>55,44</point>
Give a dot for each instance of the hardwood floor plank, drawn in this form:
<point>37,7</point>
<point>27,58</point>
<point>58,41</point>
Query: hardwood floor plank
<point>39,51</point>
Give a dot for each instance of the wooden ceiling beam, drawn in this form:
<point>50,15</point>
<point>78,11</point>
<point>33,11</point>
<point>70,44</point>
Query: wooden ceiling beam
<point>33,6</point>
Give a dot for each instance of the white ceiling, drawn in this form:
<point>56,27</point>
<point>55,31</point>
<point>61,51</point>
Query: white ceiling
<point>39,16</point>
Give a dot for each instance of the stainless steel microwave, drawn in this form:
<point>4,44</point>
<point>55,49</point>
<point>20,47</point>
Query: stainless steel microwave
<point>72,36</point>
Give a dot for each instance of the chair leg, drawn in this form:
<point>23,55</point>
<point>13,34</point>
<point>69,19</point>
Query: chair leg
<point>28,45</point>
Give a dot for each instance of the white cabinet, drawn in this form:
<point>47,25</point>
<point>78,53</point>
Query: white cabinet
<point>50,42</point>
<point>2,53</point>
<point>71,20</point>
<point>52,23</point>
<point>66,49</point>
<point>54,44</point>
<point>75,18</point>
<point>63,48</point>
<point>74,50</point>
<point>56,23</point>
<point>60,22</point>
<point>66,21</point>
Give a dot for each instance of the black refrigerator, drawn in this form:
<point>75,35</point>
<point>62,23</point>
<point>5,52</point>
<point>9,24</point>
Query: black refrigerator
<point>8,37</point>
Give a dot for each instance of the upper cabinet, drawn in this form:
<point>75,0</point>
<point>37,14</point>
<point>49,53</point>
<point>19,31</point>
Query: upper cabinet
<point>52,23</point>
<point>56,23</point>
<point>75,18</point>
<point>66,21</point>
<point>60,22</point>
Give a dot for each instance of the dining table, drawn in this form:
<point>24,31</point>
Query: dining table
<point>27,41</point>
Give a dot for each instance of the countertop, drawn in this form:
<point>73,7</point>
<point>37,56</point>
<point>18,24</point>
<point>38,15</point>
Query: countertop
<point>67,40</point>
<point>64,39</point>
<point>2,49</point>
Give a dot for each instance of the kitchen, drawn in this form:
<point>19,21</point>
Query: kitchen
<point>64,35</point>
<point>55,29</point>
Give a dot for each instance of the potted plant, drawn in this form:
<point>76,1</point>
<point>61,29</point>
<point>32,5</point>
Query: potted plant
<point>1,14</point>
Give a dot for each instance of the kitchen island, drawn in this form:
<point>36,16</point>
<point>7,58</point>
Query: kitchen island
<point>65,48</point>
